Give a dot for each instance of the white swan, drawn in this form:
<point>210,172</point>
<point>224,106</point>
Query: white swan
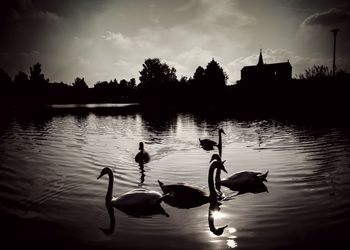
<point>142,157</point>
<point>208,144</point>
<point>135,202</point>
<point>185,196</point>
<point>245,181</point>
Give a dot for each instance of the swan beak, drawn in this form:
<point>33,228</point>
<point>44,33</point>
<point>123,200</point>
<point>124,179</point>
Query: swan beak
<point>99,176</point>
<point>224,132</point>
<point>224,169</point>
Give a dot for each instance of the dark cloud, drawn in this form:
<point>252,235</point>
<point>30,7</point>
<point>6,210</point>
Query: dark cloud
<point>328,18</point>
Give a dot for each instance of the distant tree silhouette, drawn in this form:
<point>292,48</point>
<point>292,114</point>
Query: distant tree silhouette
<point>214,75</point>
<point>155,73</point>
<point>198,77</point>
<point>21,80</point>
<point>37,78</point>
<point>5,79</point>
<point>316,72</point>
<point>79,83</point>
<point>157,80</point>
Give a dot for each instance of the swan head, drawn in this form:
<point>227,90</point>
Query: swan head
<point>141,146</point>
<point>104,171</point>
<point>222,131</point>
<point>216,157</point>
<point>219,165</point>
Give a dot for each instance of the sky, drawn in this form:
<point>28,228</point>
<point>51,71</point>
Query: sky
<point>106,39</point>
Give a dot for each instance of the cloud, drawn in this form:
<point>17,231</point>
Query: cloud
<point>47,15</point>
<point>327,18</point>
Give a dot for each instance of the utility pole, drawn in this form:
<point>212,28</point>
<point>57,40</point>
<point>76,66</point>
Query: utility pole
<point>334,31</point>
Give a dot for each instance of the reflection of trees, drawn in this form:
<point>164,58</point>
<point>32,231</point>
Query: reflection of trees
<point>159,124</point>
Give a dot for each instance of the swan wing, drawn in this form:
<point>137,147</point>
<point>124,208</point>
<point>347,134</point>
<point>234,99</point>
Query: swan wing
<point>207,143</point>
<point>184,191</point>
<point>142,157</point>
<point>237,180</point>
<point>137,198</point>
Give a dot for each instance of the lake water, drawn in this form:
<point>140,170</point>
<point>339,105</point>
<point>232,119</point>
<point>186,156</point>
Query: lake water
<point>50,197</point>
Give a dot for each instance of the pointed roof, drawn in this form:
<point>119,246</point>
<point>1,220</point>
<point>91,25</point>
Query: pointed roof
<point>260,62</point>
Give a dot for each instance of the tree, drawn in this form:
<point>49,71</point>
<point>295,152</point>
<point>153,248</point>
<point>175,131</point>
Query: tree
<point>21,80</point>
<point>5,79</point>
<point>214,75</point>
<point>316,72</point>
<point>79,83</point>
<point>155,73</point>
<point>36,77</point>
<point>198,76</point>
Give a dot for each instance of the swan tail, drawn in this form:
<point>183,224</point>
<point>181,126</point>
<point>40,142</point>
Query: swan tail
<point>162,186</point>
<point>264,176</point>
<point>162,198</point>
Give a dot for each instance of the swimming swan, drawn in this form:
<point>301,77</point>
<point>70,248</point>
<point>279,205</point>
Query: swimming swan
<point>185,196</point>
<point>136,202</point>
<point>245,181</point>
<point>208,144</point>
<point>142,157</point>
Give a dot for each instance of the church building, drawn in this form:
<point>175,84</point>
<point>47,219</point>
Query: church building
<point>266,73</point>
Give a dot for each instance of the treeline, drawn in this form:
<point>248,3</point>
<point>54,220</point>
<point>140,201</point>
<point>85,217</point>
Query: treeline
<point>158,83</point>
<point>36,89</point>
<point>317,90</point>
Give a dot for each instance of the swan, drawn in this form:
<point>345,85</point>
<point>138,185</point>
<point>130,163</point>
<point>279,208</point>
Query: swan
<point>142,157</point>
<point>185,196</point>
<point>208,144</point>
<point>245,181</point>
<point>136,202</point>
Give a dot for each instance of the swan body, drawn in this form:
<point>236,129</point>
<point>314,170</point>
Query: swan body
<point>142,157</point>
<point>137,197</point>
<point>208,144</point>
<point>245,181</point>
<point>135,202</point>
<point>186,196</point>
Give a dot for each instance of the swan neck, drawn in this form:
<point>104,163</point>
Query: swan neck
<point>110,187</point>
<point>218,175</point>
<point>212,192</point>
<point>220,144</point>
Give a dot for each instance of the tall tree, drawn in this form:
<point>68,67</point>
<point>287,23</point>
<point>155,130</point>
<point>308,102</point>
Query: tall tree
<point>214,75</point>
<point>36,77</point>
<point>21,80</point>
<point>155,73</point>
<point>79,83</point>
<point>5,79</point>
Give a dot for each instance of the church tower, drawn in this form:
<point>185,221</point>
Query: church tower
<point>260,62</point>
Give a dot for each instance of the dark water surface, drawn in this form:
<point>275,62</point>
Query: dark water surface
<point>50,197</point>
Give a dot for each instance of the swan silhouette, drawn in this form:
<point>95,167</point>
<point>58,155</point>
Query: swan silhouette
<point>138,202</point>
<point>243,182</point>
<point>182,195</point>
<point>208,144</point>
<point>142,157</point>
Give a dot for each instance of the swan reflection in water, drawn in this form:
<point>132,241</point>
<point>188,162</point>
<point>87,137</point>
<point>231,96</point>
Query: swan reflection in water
<point>110,230</point>
<point>214,207</point>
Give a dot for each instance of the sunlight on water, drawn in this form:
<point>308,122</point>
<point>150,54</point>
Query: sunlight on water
<point>49,191</point>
